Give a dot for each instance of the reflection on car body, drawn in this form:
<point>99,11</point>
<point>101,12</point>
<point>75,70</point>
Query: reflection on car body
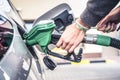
<point>6,35</point>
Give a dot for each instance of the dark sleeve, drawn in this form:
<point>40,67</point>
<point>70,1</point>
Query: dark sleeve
<point>96,10</point>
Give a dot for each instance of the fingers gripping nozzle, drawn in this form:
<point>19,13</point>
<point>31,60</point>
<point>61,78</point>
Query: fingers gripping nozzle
<point>70,56</point>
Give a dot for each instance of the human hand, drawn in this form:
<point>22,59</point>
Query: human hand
<point>109,22</point>
<point>71,38</point>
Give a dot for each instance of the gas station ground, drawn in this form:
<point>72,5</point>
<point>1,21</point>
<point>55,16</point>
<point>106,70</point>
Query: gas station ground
<point>97,71</point>
<point>91,67</point>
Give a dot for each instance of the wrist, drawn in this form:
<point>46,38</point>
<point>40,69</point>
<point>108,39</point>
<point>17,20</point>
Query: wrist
<point>81,25</point>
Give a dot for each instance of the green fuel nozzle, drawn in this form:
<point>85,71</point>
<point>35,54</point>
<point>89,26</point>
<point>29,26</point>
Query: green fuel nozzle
<point>40,34</point>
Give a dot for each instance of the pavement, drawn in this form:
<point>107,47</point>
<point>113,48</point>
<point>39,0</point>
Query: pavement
<point>97,71</point>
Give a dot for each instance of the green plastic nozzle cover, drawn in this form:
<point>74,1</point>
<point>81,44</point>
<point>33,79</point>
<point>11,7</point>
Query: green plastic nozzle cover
<point>40,34</point>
